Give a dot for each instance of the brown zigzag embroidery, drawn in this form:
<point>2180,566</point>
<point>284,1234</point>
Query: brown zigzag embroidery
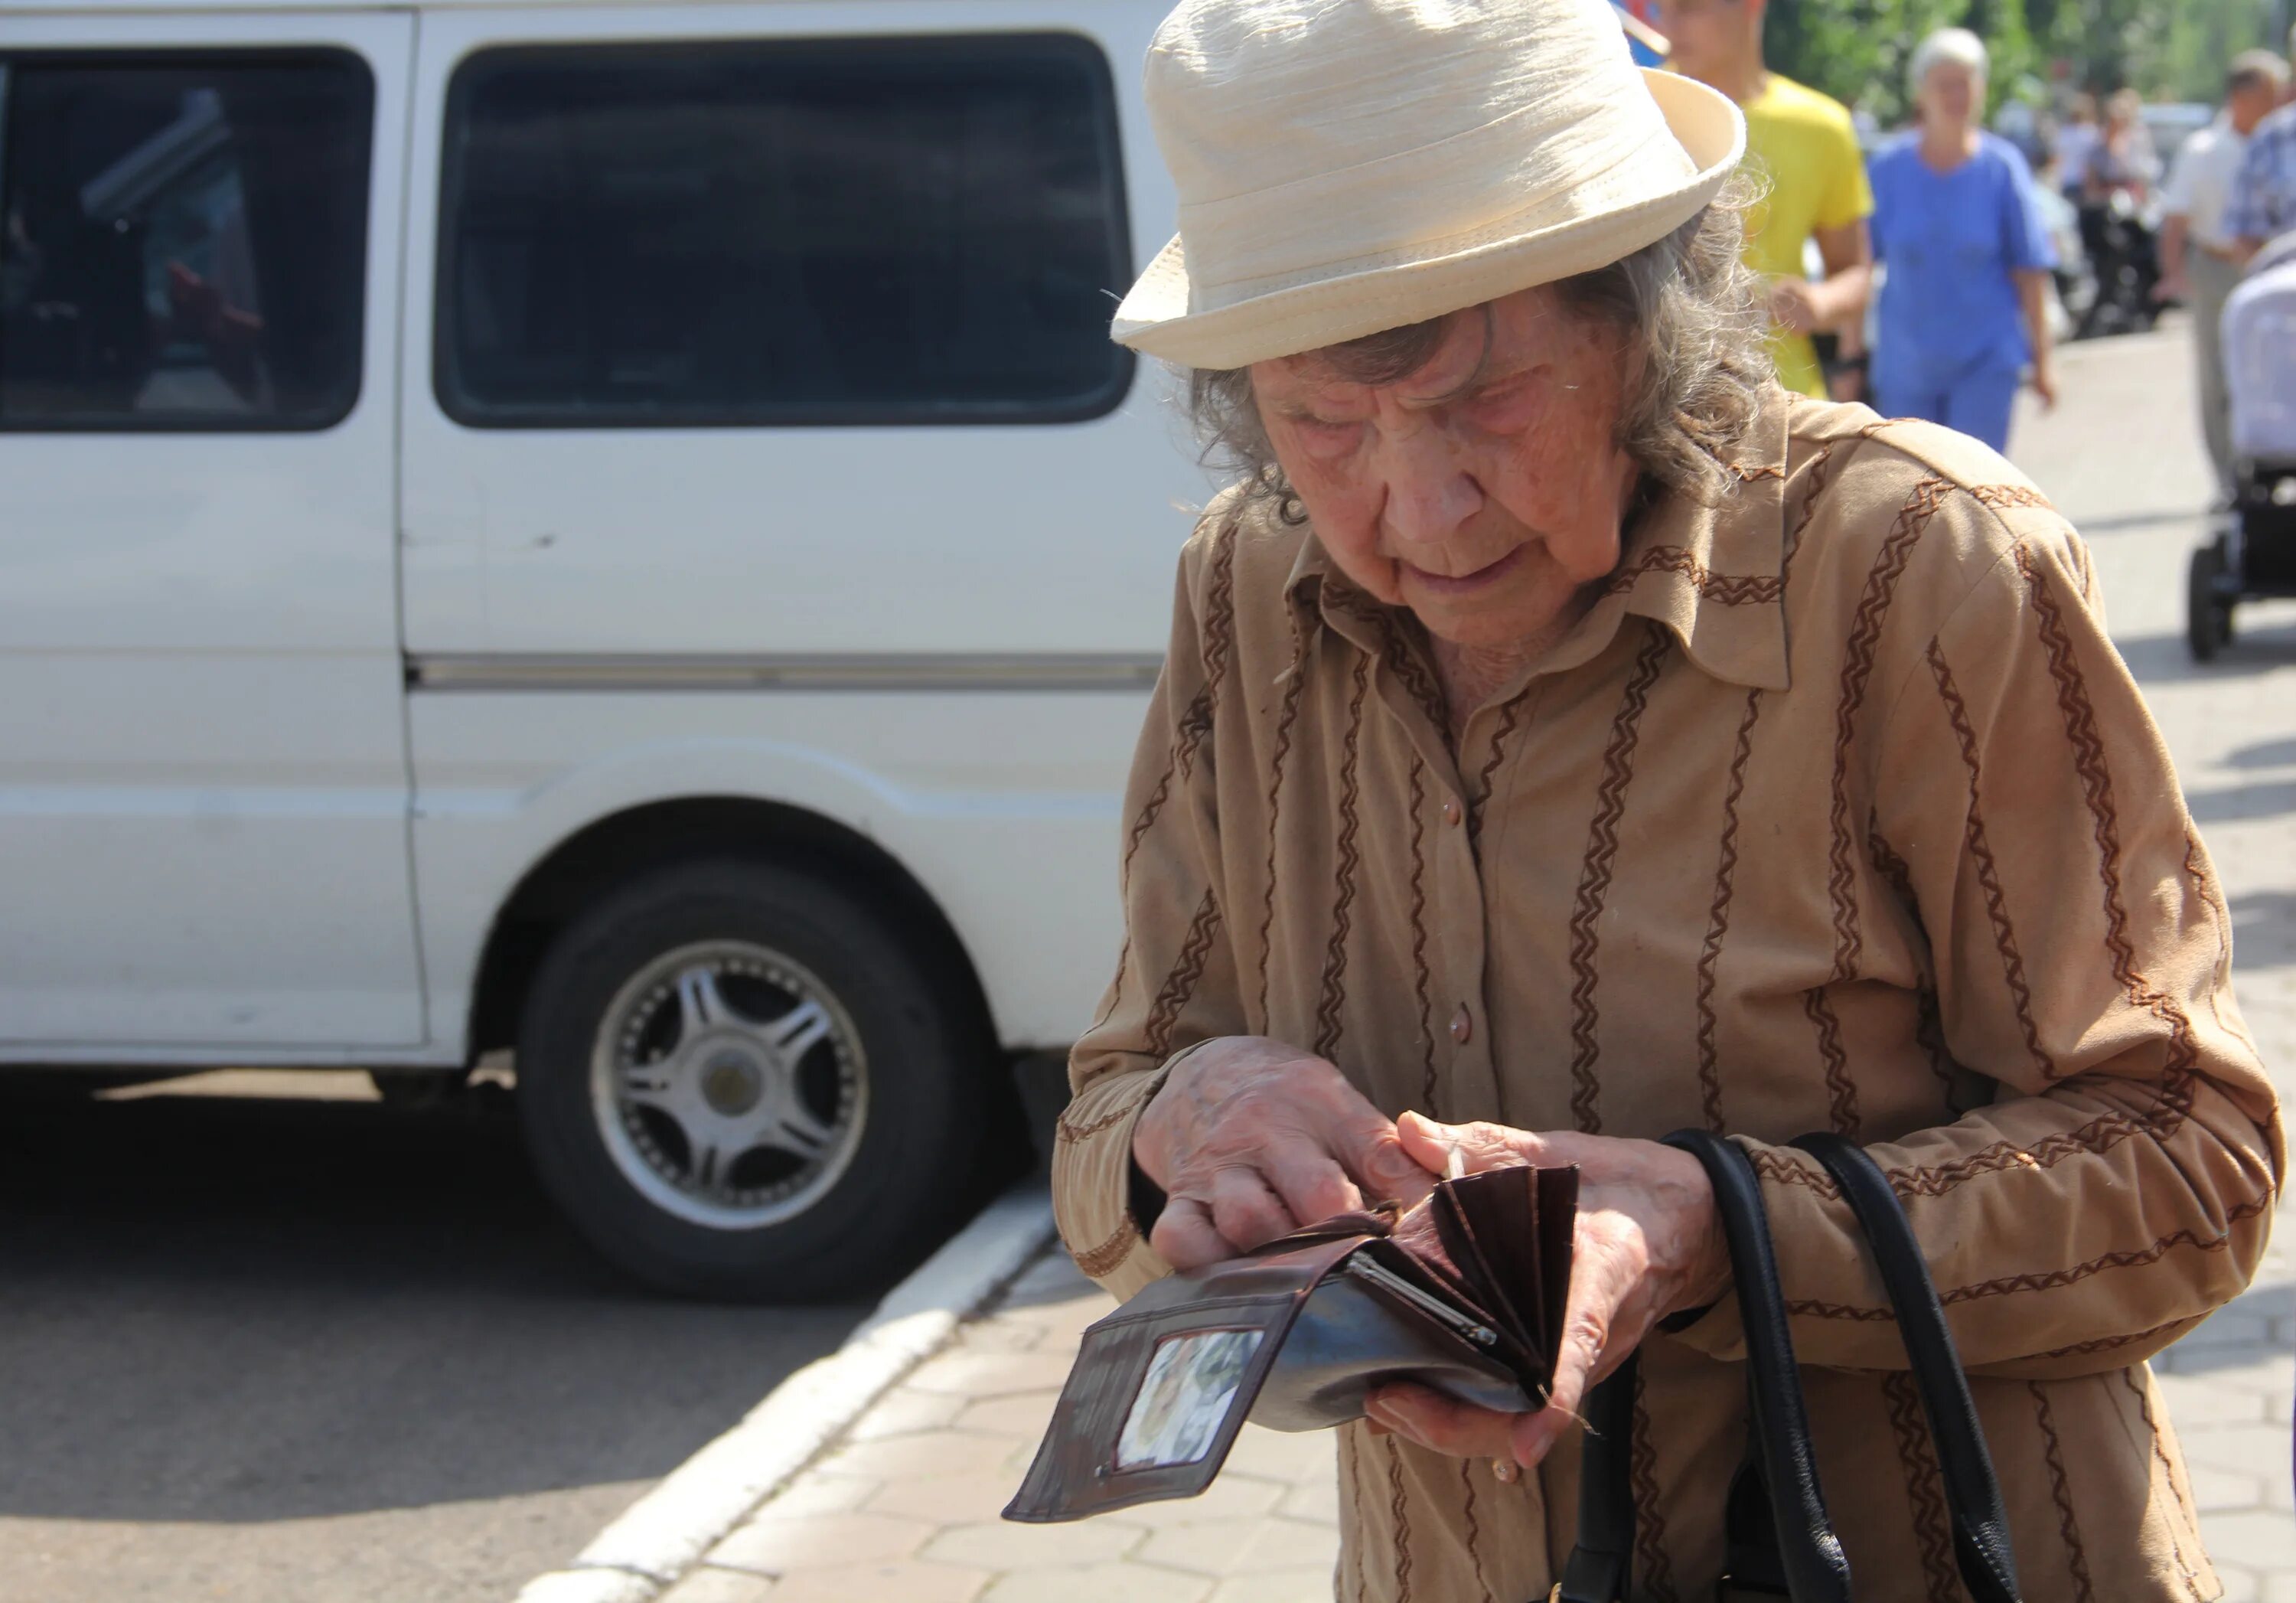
<point>1475,1530</point>
<point>2067,1525</point>
<point>1351,1476</point>
<point>1402,1518</point>
<point>1594,880</point>
<point>1072,1134</point>
<point>2196,868</point>
<point>1180,984</point>
<point>1754,475</point>
<point>2101,1134</point>
<point>1731,590</point>
<point>1218,639</point>
<point>1929,1029</point>
<point>2109,1344</point>
<point>2096,783</point>
<point>1841,1090</point>
<point>1717,925</point>
<point>2128,1378</point>
<point>1651,1559</point>
<point>1858,670</point>
<point>1988,877</point>
<point>1116,985</point>
<point>1999,495</point>
<point>1925,1484</point>
<point>1146,821</point>
<point>1335,958</point>
<point>1772,1163</point>
<point>1424,979</point>
<point>1403,661</point>
<point>1293,684</point>
<point>1509,717</point>
<point>2055,1278</point>
<point>1098,1260</point>
<point>1820,465</point>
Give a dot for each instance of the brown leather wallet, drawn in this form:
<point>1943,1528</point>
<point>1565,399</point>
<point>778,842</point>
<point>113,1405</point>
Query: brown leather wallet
<point>1464,1294</point>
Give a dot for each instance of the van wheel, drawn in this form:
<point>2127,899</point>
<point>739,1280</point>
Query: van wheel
<point>738,1084</point>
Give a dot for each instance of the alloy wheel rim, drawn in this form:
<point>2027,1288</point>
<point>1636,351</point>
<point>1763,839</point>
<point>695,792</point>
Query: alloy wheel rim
<point>729,1085</point>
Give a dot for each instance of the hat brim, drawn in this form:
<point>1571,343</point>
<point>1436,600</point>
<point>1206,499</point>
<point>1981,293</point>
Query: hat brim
<point>1154,318</point>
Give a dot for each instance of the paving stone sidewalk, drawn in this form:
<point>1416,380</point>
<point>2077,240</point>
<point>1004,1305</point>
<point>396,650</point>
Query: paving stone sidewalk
<point>904,1510</point>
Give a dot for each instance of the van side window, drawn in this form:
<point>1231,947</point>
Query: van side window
<point>182,239</point>
<point>914,230</point>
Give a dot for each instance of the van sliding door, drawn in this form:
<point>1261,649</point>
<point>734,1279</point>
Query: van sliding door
<point>203,788</point>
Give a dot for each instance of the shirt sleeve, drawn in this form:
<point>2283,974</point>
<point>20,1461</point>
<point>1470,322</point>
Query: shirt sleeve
<point>2176,194</point>
<point>2244,207</point>
<point>2120,1187</point>
<point>1849,192</point>
<point>1175,982</point>
<point>1883,189</point>
<point>2026,245</point>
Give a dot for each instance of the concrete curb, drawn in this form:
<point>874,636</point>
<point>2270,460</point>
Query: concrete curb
<point>666,1531</point>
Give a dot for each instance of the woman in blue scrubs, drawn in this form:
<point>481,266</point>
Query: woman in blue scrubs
<point>1964,305</point>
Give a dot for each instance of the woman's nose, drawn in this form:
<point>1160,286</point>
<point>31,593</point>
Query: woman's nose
<point>1429,493</point>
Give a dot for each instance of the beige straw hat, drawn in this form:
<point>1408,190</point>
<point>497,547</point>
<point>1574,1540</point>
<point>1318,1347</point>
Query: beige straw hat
<point>1349,166</point>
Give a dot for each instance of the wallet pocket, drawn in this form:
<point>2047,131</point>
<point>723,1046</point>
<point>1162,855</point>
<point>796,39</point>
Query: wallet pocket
<point>1355,1334</point>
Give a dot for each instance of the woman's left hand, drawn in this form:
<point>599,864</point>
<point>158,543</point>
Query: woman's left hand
<point>1648,1244</point>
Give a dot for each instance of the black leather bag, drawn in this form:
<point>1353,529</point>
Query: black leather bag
<point>1780,1542</point>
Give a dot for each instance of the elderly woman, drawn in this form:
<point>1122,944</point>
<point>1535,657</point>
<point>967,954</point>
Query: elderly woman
<point>1964,306</point>
<point>1567,736</point>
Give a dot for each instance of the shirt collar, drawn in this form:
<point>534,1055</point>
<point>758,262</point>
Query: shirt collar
<point>1714,575</point>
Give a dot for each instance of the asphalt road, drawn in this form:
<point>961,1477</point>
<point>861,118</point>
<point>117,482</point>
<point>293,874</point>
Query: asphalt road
<point>326,1351</point>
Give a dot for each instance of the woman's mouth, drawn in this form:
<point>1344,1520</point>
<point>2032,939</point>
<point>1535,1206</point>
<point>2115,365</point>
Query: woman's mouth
<point>1466,584</point>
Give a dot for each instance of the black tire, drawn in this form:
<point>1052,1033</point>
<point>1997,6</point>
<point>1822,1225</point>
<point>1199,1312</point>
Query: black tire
<point>2208,615</point>
<point>910,1171</point>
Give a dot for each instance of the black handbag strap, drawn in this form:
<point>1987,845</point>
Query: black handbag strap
<point>1602,1563</point>
<point>1809,1554</point>
<point>1809,1560</point>
<point>1973,1492</point>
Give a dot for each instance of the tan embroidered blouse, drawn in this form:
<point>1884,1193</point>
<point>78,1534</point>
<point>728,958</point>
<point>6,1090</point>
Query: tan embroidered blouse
<point>1837,811</point>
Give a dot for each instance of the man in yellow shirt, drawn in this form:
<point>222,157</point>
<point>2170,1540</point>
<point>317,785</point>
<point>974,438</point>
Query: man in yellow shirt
<point>1803,145</point>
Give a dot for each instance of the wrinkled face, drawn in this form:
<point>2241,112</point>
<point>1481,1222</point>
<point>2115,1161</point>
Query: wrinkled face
<point>1704,34</point>
<point>1951,94</point>
<point>1484,490</point>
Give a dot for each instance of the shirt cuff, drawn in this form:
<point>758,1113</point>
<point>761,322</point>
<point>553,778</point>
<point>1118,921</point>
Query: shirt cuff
<point>1092,1182</point>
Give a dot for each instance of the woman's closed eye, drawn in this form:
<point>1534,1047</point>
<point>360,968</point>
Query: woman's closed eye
<point>1326,436</point>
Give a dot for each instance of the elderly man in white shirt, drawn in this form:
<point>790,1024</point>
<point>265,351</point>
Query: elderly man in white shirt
<point>2198,254</point>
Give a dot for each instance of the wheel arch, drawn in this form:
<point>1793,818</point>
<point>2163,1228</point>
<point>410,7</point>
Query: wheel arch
<point>619,847</point>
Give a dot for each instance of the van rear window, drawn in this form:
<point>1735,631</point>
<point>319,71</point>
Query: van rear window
<point>738,231</point>
<point>182,239</point>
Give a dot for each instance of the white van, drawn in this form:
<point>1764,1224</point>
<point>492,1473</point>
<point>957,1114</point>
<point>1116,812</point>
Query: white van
<point>610,529</point>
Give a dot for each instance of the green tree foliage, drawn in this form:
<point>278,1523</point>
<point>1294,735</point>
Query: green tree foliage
<point>1857,50</point>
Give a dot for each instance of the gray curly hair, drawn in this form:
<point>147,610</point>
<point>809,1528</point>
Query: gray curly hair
<point>1689,308</point>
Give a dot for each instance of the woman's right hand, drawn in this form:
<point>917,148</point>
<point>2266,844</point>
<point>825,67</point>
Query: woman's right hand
<point>1251,1138</point>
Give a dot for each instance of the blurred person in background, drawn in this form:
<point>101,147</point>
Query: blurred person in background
<point>1957,225</point>
<point>2263,203</point>
<point>2123,159</point>
<point>2197,251</point>
<point>1804,147</point>
<point>2076,137</point>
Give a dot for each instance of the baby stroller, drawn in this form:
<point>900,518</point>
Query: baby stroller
<point>2254,550</point>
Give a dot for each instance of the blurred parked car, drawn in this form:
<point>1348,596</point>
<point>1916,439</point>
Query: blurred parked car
<point>608,530</point>
<point>2171,124</point>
